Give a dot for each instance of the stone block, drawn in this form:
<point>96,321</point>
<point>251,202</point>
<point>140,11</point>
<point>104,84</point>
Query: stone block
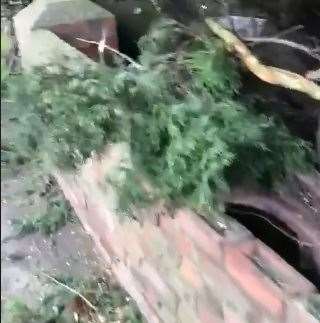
<point>273,266</point>
<point>207,315</point>
<point>223,292</point>
<point>296,312</point>
<point>184,271</point>
<point>47,32</point>
<point>253,282</point>
<point>209,308</point>
<point>128,281</point>
<point>191,273</point>
<point>204,237</point>
<point>187,313</point>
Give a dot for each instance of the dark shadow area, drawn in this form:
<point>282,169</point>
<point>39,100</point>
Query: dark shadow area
<point>279,238</point>
<point>127,43</point>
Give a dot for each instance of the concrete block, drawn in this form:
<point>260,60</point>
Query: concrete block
<point>47,32</point>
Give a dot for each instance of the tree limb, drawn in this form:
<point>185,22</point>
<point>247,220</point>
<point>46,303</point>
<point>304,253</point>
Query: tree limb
<point>285,42</point>
<point>111,49</point>
<point>71,290</point>
<point>269,74</point>
<point>313,75</point>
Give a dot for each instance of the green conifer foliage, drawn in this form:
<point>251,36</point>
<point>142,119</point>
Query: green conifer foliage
<point>190,135</point>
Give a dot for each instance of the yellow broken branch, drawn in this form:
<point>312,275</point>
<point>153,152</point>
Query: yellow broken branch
<point>269,74</point>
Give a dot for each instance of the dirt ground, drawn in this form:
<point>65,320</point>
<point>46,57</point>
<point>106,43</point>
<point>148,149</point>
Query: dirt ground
<point>69,252</point>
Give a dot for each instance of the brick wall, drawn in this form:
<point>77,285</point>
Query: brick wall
<point>179,269</point>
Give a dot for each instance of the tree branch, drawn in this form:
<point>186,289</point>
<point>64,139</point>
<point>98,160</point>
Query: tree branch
<point>71,290</point>
<point>111,49</point>
<point>269,74</point>
<point>285,42</point>
<point>313,75</point>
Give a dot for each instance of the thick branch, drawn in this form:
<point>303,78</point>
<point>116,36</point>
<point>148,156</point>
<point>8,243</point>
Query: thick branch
<point>269,74</point>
